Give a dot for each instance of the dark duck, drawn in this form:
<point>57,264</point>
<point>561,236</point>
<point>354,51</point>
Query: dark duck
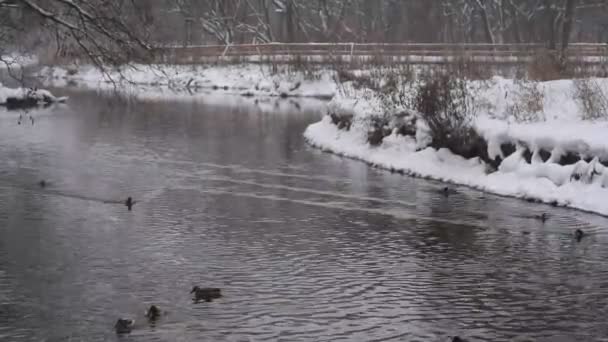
<point>447,191</point>
<point>205,293</point>
<point>542,217</point>
<point>123,326</point>
<point>578,235</point>
<point>129,203</point>
<point>153,313</point>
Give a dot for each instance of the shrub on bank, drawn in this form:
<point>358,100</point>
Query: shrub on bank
<point>591,98</point>
<point>378,129</point>
<point>527,103</point>
<point>448,107</point>
<point>340,117</point>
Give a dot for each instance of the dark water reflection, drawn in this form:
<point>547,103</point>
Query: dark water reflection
<point>306,246</point>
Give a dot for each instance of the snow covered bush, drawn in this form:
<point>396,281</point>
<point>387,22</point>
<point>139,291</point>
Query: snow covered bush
<point>527,104</point>
<point>403,123</point>
<point>378,129</point>
<point>591,98</point>
<point>341,117</point>
<point>448,107</point>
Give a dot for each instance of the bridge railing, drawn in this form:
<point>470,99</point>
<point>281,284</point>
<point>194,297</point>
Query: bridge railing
<point>329,52</point>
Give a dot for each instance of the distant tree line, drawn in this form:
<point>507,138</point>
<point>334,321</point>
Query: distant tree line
<point>553,22</point>
<point>114,30</point>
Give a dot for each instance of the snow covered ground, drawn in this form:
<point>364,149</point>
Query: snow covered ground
<point>36,95</point>
<point>553,131</point>
<point>247,80</point>
<point>6,92</point>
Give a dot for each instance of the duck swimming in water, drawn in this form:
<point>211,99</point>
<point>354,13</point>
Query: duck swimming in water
<point>578,234</point>
<point>153,313</point>
<point>129,203</point>
<point>205,293</point>
<point>42,183</point>
<point>543,217</point>
<point>124,326</point>
<point>446,191</point>
<point>458,339</point>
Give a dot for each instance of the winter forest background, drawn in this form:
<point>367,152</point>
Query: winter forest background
<point>61,27</point>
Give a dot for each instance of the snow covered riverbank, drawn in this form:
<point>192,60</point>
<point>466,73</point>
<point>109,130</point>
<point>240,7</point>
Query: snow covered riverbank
<point>545,147</point>
<point>24,98</point>
<point>546,182</point>
<point>556,157</point>
<point>246,80</point>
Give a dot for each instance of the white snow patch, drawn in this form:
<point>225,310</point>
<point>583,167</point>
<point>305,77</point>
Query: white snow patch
<point>41,95</point>
<point>548,182</point>
<point>17,61</point>
<point>6,92</point>
<point>249,80</point>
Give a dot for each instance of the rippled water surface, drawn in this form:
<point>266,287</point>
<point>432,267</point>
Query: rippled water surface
<point>306,246</point>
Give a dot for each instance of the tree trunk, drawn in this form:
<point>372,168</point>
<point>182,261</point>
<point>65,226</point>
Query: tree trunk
<point>515,19</point>
<point>369,20</point>
<point>289,22</point>
<point>503,26</point>
<point>487,29</point>
<point>550,13</point>
<point>568,19</point>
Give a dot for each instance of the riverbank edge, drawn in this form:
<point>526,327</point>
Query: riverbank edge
<point>559,158</point>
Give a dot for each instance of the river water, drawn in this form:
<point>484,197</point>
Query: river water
<point>306,246</point>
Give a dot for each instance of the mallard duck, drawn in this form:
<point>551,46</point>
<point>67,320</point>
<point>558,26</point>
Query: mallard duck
<point>542,217</point>
<point>578,234</point>
<point>153,313</point>
<point>205,293</point>
<point>129,203</point>
<point>124,326</point>
<point>458,339</point>
<point>447,191</point>
<point>42,183</point>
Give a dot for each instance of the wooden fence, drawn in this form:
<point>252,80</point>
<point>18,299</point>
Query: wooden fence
<point>350,52</point>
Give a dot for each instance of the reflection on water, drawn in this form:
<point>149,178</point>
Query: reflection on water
<point>305,246</point>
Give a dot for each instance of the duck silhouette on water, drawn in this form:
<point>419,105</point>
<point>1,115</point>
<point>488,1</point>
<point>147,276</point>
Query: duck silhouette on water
<point>578,235</point>
<point>153,313</point>
<point>205,293</point>
<point>458,339</point>
<point>130,203</point>
<point>446,191</point>
<point>542,217</point>
<point>124,326</point>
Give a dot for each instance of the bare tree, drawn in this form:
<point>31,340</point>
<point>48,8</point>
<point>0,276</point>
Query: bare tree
<point>104,31</point>
<point>568,19</point>
<point>487,28</point>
